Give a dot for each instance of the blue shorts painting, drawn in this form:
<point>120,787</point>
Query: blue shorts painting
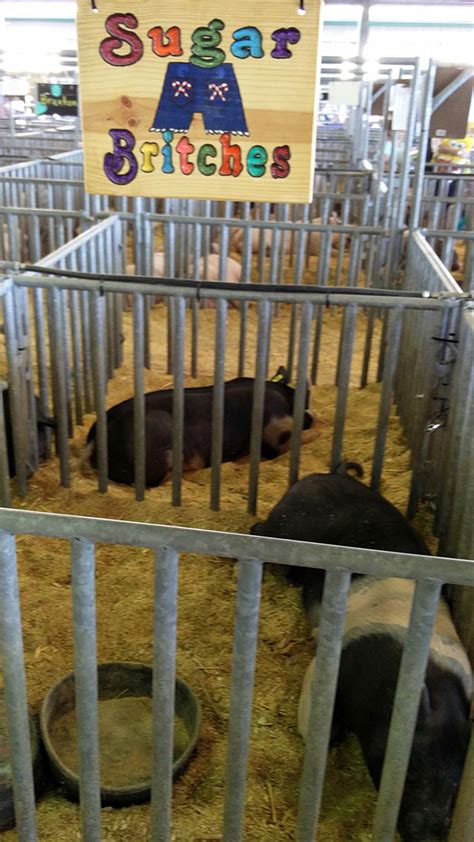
<point>212,92</point>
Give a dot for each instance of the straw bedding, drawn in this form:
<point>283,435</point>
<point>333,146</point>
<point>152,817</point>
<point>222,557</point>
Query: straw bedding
<point>207,588</point>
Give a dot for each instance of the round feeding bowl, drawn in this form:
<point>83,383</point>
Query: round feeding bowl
<point>125,731</point>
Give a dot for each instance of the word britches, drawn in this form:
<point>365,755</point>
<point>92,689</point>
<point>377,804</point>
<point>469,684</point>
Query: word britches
<point>122,165</point>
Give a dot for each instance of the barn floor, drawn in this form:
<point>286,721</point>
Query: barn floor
<point>207,589</point>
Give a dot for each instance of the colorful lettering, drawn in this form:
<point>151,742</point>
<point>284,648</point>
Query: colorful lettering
<point>172,47</point>
<point>283,37</point>
<point>230,153</point>
<point>167,152</point>
<point>204,50</point>
<point>119,37</point>
<point>149,150</point>
<point>185,148</point>
<point>247,42</point>
<point>257,158</point>
<point>114,162</point>
<point>207,150</point>
<point>281,156</point>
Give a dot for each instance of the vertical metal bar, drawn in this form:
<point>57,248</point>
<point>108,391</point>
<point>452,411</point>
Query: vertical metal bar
<point>258,402</point>
<point>15,382</point>
<point>164,680</point>
<point>16,707</point>
<point>301,389</point>
<point>139,425</point>
<point>97,304</point>
<point>405,709</point>
<point>85,677</point>
<point>345,360</point>
<point>426,109</point>
<point>218,401</point>
<point>179,305</point>
<point>241,694</point>
<point>317,342</point>
<point>393,343</point>
<point>86,352</point>
<point>336,589</point>
<point>59,382</point>
<point>367,348</point>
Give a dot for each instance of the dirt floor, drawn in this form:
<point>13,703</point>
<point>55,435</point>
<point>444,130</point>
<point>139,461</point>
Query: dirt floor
<point>207,588</point>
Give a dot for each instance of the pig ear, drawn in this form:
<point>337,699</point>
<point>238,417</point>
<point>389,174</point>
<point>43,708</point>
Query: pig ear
<point>425,704</point>
<point>281,376</point>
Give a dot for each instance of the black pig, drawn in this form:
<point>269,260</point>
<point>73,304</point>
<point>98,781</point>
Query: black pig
<point>238,398</point>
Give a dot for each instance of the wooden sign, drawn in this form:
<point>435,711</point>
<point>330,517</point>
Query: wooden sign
<point>57,99</point>
<point>200,100</point>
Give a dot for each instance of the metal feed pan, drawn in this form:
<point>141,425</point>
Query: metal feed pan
<point>251,551</point>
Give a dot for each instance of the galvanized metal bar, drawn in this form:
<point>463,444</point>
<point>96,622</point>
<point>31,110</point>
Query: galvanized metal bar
<point>261,363</point>
<point>241,694</point>
<point>85,680</point>
<point>16,707</point>
<point>15,381</point>
<point>139,411</point>
<point>301,390</point>
<point>97,305</point>
<point>426,111</point>
<point>217,433</point>
<point>164,678</point>
<point>345,360</point>
<point>60,397</point>
<point>393,344</point>
<point>459,571</point>
<point>282,293</point>
<point>179,305</point>
<point>317,342</point>
<point>405,709</point>
<point>367,349</point>
<point>336,589</point>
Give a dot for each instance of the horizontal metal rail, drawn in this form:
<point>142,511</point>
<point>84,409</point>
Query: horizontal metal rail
<point>250,292</point>
<point>233,545</point>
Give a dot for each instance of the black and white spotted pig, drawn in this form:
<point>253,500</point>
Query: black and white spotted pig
<point>335,508</point>
<point>238,399</point>
<point>377,617</point>
<point>338,509</point>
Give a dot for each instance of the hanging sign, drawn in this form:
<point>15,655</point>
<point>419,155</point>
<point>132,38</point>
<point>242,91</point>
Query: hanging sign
<point>199,100</point>
<point>57,99</point>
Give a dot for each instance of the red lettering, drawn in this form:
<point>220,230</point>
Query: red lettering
<point>230,153</point>
<point>173,43</point>
<point>184,148</point>
<point>119,37</point>
<point>281,168</point>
